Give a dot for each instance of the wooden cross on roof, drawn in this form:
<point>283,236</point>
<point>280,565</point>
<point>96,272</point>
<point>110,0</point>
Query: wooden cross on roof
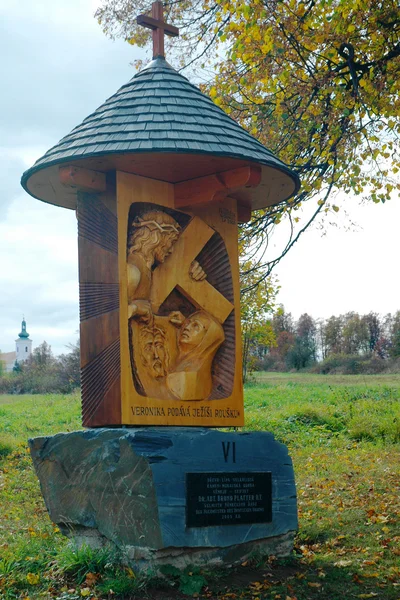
<point>159,27</point>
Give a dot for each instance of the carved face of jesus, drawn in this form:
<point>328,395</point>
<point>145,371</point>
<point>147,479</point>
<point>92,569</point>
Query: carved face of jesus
<point>192,333</point>
<point>159,355</point>
<point>153,352</point>
<point>164,248</point>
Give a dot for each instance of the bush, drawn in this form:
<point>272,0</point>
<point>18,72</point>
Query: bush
<point>351,364</point>
<point>42,373</point>
<point>270,363</point>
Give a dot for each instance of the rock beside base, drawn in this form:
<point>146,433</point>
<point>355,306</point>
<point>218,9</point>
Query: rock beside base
<point>128,487</point>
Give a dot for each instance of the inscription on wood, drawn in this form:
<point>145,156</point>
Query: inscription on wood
<point>228,499</point>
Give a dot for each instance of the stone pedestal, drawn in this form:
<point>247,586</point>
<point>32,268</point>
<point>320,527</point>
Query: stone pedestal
<point>170,495</point>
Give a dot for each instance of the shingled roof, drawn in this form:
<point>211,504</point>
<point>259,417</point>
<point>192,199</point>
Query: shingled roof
<point>159,110</point>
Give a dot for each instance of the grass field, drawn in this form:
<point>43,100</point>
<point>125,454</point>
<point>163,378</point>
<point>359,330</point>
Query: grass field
<point>343,434</point>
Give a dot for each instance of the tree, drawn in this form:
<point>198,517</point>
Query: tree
<point>333,335</point>
<point>18,367</point>
<point>69,366</point>
<point>355,334</point>
<point>257,301</point>
<point>374,327</point>
<point>42,356</point>
<point>317,82</point>
<point>304,351</point>
<point>321,337</point>
<point>395,336</point>
<point>282,321</point>
<point>284,342</point>
<point>43,373</point>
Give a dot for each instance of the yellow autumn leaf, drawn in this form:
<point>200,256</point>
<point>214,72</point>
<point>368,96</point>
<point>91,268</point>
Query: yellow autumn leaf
<point>382,518</point>
<point>130,573</point>
<point>33,578</point>
<point>85,592</point>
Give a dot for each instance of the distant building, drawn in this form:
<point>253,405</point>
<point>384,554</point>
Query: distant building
<point>23,350</point>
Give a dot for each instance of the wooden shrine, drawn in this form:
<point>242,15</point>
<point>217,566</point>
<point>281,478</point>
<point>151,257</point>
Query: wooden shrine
<point>160,177</point>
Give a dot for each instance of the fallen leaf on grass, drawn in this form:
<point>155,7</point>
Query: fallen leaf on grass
<point>370,595</point>
<point>314,585</point>
<point>33,578</point>
<point>131,573</point>
<point>343,563</point>
<point>91,579</point>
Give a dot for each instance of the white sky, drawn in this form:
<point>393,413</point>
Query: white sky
<point>57,67</point>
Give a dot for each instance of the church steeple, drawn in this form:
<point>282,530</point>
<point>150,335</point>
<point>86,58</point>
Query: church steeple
<point>23,334</point>
<point>23,344</point>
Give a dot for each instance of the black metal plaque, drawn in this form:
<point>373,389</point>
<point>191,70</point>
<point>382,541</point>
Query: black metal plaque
<point>228,499</point>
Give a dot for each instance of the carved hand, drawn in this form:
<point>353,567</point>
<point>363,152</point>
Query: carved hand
<point>196,272</point>
<point>140,309</point>
<point>176,318</point>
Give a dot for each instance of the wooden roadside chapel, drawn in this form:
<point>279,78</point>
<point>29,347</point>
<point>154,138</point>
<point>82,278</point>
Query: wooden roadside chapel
<point>160,177</point>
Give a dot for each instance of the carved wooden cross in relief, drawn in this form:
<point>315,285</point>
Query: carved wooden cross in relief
<point>159,27</point>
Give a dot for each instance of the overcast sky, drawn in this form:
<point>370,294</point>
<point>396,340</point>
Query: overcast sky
<point>57,67</point>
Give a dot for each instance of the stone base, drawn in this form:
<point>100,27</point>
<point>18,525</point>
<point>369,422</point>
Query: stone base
<point>129,487</point>
<point>143,559</point>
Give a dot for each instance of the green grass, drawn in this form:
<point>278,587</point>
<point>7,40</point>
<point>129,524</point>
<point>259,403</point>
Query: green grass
<point>343,434</point>
<point>306,409</point>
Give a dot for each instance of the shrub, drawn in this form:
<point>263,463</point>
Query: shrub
<point>351,364</point>
<point>42,373</point>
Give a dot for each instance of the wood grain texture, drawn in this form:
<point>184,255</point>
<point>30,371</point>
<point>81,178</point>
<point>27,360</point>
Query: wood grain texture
<point>98,333</point>
<point>199,190</point>
<point>96,222</point>
<point>215,261</point>
<point>99,310</point>
<point>97,298</point>
<point>244,213</point>
<point>96,264</point>
<point>242,177</point>
<point>98,377</point>
<point>83,179</point>
<point>212,188</point>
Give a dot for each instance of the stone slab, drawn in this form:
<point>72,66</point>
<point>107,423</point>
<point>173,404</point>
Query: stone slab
<point>128,486</point>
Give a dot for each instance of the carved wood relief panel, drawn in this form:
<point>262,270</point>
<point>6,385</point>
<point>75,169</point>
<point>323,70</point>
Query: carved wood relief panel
<point>181,319</point>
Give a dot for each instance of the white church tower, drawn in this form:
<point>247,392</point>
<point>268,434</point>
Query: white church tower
<point>23,345</point>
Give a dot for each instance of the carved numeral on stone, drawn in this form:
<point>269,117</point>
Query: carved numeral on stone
<point>228,449</point>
